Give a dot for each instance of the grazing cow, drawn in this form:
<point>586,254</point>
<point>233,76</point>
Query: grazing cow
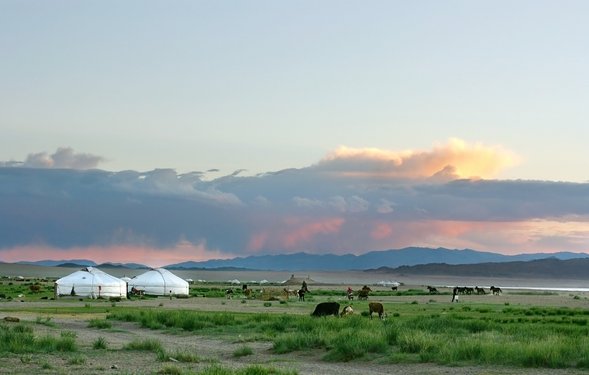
<point>348,310</point>
<point>35,288</point>
<point>376,307</point>
<point>394,288</point>
<point>229,293</point>
<point>326,308</point>
<point>496,290</point>
<point>432,290</point>
<point>301,293</point>
<point>136,292</point>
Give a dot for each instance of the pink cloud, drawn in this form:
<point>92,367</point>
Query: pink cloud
<point>300,231</point>
<point>507,237</point>
<point>382,231</point>
<point>294,233</point>
<point>153,257</point>
<point>64,157</point>
<point>257,241</point>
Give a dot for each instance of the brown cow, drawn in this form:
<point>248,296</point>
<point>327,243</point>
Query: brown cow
<point>35,288</point>
<point>376,307</point>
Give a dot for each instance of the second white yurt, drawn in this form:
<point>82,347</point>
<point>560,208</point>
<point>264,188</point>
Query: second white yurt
<point>159,282</point>
<point>90,282</point>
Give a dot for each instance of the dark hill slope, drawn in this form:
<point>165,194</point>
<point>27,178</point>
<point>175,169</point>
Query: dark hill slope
<point>541,268</point>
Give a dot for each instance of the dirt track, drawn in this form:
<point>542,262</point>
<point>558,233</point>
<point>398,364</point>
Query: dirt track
<point>114,361</point>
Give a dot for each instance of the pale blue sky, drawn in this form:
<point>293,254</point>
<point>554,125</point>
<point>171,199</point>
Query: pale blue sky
<point>268,85</point>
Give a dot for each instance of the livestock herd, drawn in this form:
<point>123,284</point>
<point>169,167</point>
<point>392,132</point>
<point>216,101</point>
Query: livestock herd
<point>333,308</point>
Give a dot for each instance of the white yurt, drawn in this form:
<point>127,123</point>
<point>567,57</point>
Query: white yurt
<point>159,282</point>
<point>90,282</point>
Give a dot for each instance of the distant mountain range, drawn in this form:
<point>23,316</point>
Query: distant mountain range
<point>549,268</point>
<point>79,263</point>
<point>60,263</point>
<point>390,259</point>
<point>409,256</point>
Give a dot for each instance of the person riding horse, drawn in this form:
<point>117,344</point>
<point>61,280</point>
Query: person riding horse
<point>350,293</point>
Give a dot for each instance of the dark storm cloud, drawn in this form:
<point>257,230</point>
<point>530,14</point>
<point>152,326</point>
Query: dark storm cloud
<point>317,208</point>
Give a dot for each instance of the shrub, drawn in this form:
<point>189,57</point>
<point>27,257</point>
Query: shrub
<point>77,360</point>
<point>351,345</point>
<point>300,340</point>
<point>45,321</point>
<point>149,345</point>
<point>186,357</point>
<point>99,323</point>
<point>99,343</point>
<point>170,370</point>
<point>243,351</point>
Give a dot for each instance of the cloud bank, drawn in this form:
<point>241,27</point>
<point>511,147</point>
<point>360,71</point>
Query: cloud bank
<point>64,157</point>
<point>351,201</point>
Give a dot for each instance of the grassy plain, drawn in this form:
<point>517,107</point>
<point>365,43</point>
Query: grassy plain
<point>533,332</point>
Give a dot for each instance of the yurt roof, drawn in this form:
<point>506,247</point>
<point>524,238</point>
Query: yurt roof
<point>156,276</point>
<point>90,275</point>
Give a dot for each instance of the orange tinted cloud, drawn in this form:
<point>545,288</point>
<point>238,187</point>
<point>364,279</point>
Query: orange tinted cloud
<point>455,159</point>
<point>257,241</point>
<point>303,231</point>
<point>294,233</point>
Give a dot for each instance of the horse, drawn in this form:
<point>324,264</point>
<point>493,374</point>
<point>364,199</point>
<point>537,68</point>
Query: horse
<point>350,293</point>
<point>290,292</point>
<point>301,293</point>
<point>364,292</point>
<point>495,290</point>
<point>432,290</point>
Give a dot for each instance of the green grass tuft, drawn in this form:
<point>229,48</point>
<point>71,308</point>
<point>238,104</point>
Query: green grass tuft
<point>243,351</point>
